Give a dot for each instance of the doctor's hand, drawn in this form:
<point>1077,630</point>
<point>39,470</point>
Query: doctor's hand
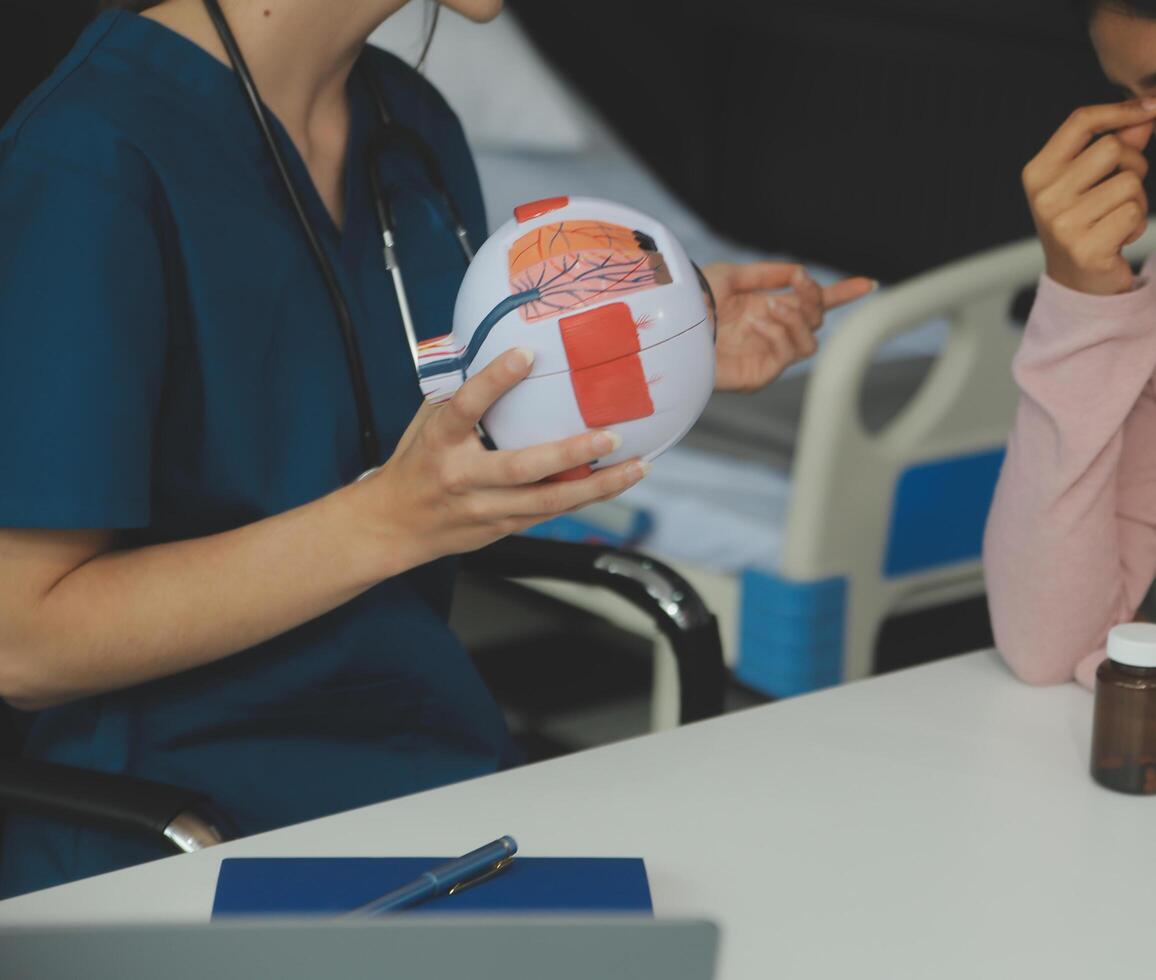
<point>1086,192</point>
<point>443,493</point>
<point>760,335</point>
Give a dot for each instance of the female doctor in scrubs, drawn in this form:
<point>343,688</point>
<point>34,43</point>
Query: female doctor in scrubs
<point>195,589</point>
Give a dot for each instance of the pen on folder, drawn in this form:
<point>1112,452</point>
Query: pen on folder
<point>453,876</point>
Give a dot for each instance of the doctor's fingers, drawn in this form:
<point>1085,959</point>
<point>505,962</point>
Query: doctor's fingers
<point>847,291</point>
<point>728,277</point>
<point>541,502</point>
<point>425,414</point>
<point>777,337</point>
<point>457,419</point>
<point>807,297</point>
<point>786,325</point>
<point>521,467</point>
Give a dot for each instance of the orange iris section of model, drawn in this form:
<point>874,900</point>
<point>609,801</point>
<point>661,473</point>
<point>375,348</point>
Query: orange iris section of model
<point>575,264</point>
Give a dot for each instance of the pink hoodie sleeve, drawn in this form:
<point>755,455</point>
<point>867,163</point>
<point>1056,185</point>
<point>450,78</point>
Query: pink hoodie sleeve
<point>1070,548</point>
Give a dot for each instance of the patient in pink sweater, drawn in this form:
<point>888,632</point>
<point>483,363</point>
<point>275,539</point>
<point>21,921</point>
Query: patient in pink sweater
<point>1070,549</point>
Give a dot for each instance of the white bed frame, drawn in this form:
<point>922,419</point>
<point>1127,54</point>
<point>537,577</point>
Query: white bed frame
<point>844,478</point>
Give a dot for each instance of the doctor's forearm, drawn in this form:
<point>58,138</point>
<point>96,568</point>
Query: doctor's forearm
<point>84,619</point>
<point>125,617</point>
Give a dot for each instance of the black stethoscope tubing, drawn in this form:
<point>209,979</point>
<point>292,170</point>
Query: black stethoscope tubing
<point>367,429</point>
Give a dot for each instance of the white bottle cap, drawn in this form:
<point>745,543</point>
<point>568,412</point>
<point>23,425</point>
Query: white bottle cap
<point>1133,644</point>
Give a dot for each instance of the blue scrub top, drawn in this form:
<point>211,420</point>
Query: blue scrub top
<point>170,366</point>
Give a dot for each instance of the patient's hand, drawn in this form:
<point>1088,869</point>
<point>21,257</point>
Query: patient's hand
<point>760,335</point>
<point>1086,191</point>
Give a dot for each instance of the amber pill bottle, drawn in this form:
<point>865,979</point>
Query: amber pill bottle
<point>1124,726</point>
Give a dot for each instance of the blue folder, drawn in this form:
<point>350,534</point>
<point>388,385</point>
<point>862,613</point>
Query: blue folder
<point>328,886</point>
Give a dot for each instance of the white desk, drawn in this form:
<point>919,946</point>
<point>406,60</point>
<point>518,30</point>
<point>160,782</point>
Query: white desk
<point>936,823</point>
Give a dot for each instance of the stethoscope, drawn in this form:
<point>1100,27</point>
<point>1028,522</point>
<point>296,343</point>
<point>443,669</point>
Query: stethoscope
<point>396,134</point>
<point>391,133</point>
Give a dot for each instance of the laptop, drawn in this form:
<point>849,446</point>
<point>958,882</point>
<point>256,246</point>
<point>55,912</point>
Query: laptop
<point>424,948</point>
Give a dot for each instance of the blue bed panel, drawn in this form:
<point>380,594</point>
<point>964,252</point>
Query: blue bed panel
<point>939,511</point>
<point>791,637</point>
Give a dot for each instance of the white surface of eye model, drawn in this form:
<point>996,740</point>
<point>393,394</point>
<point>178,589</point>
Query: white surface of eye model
<point>617,317</point>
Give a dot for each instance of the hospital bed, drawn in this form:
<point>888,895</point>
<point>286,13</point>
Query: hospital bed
<point>881,507</point>
<point>854,488</point>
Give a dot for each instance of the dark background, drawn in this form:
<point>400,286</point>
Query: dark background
<point>34,36</point>
<point>880,136</point>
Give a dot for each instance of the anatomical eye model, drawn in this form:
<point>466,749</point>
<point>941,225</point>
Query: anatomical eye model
<point>615,314</point>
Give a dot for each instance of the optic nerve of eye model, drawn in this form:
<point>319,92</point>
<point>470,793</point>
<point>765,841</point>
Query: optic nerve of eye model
<point>619,319</point>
